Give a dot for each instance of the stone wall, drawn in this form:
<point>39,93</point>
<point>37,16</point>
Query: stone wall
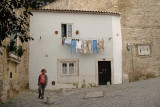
<point>95,5</point>
<point>10,87</point>
<point>1,68</point>
<point>24,69</point>
<point>140,25</point>
<point>1,71</point>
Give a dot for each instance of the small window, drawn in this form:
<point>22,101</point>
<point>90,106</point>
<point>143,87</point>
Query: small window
<point>10,74</point>
<point>66,30</point>
<point>143,50</point>
<point>71,68</point>
<point>64,68</point>
<point>68,68</point>
<point>14,42</point>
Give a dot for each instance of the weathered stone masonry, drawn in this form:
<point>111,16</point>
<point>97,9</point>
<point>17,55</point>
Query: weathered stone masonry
<point>141,25</point>
<point>10,87</point>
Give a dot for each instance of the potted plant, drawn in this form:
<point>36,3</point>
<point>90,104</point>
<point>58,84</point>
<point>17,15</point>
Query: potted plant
<point>20,51</point>
<point>15,50</point>
<point>77,32</point>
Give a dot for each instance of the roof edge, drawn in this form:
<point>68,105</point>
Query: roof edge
<point>77,11</point>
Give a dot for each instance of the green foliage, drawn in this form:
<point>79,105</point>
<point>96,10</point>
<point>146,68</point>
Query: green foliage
<point>10,23</point>
<point>92,84</point>
<point>13,48</point>
<point>75,84</point>
<point>83,83</point>
<point>20,51</point>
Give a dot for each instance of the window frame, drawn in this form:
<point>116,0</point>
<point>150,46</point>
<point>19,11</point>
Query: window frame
<point>67,30</point>
<point>15,40</point>
<point>144,47</point>
<point>68,67</point>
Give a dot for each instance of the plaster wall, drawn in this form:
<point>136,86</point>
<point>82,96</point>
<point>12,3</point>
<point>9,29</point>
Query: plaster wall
<point>44,52</point>
<point>117,47</point>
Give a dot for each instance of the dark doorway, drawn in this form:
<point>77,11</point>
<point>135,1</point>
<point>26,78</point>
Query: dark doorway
<point>104,72</point>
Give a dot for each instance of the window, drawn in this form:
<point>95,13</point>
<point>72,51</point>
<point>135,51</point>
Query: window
<point>66,30</point>
<point>143,50</point>
<point>10,74</point>
<point>68,68</point>
<point>14,42</point>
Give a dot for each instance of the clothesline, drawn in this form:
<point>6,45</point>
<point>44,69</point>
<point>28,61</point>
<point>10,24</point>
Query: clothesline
<point>84,46</point>
<point>90,38</point>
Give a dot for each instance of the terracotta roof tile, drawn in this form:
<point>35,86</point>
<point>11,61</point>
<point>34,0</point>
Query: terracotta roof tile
<point>77,11</point>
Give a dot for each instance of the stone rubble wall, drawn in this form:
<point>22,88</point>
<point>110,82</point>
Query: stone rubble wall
<point>1,68</point>
<point>5,87</point>
<point>11,87</point>
<point>1,71</point>
<point>140,25</point>
<point>94,5</point>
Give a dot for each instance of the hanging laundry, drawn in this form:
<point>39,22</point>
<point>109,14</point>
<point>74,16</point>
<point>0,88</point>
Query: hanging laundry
<point>73,45</point>
<point>84,46</point>
<point>90,46</point>
<point>63,39</point>
<point>95,46</point>
<point>79,45</point>
<point>67,41</point>
<point>101,44</point>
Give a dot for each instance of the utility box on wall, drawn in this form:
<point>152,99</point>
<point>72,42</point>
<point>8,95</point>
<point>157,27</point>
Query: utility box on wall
<point>143,50</point>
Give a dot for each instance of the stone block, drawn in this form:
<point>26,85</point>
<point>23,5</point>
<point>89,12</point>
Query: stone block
<point>49,100</point>
<point>16,87</point>
<point>94,94</point>
<point>108,84</point>
<point>5,82</point>
<point>3,98</point>
<point>4,93</point>
<point>62,90</point>
<point>11,93</point>
<point>1,82</point>
<point>125,78</point>
<point>5,87</point>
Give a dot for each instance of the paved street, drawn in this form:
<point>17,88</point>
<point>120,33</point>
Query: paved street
<point>144,93</point>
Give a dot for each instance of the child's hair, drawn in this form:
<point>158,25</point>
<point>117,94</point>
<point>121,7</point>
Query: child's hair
<point>43,70</point>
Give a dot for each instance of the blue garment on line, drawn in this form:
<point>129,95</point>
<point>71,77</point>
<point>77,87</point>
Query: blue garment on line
<point>73,44</point>
<point>95,46</point>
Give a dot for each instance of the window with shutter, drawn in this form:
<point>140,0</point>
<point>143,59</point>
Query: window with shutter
<point>66,30</point>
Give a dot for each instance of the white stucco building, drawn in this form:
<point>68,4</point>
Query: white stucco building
<point>46,51</point>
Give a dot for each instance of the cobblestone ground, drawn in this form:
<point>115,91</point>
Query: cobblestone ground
<point>144,93</point>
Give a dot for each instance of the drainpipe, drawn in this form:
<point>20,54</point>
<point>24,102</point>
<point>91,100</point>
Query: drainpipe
<point>129,48</point>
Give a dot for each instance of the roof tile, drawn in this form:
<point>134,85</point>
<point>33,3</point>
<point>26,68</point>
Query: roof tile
<point>76,11</point>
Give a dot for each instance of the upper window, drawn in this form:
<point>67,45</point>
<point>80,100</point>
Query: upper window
<point>66,30</point>
<point>68,68</point>
<point>14,42</point>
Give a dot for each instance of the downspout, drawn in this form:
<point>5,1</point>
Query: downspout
<point>132,65</point>
<point>129,47</point>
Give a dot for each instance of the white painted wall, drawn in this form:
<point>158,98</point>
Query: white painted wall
<point>117,49</point>
<point>91,27</point>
